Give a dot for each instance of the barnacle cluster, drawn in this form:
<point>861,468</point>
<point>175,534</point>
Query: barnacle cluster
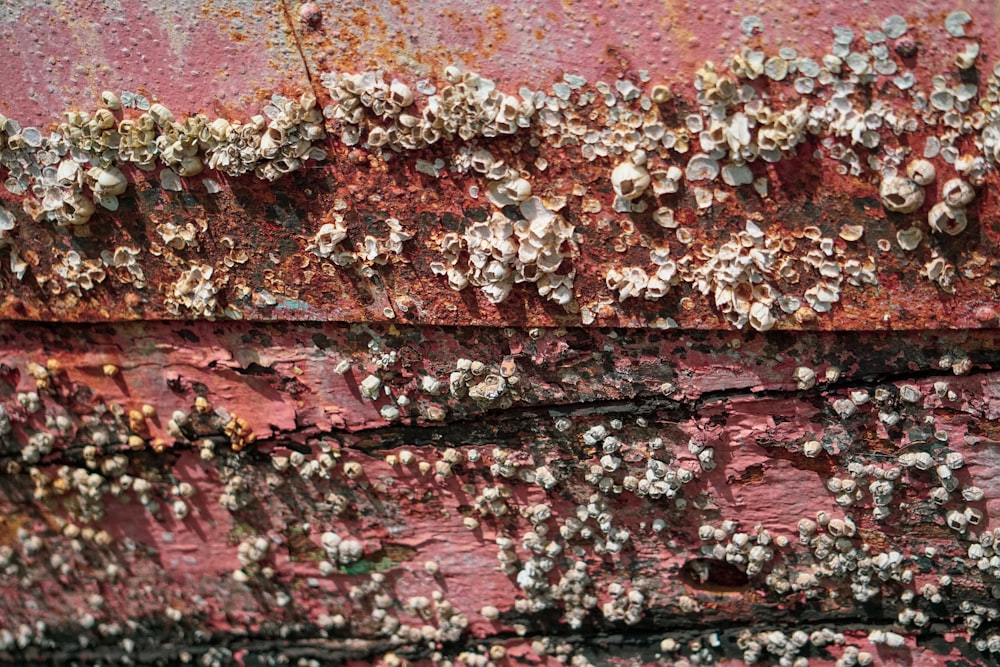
<point>123,264</point>
<point>988,140</point>
<point>79,165</point>
<point>195,291</point>
<point>381,114</point>
<point>80,274</point>
<point>181,237</point>
<point>750,552</point>
<point>756,107</point>
<point>742,275</point>
<point>499,252</point>
<point>551,519</point>
<point>326,243</point>
<point>487,389</point>
<point>634,281</point>
<point>561,517</point>
<point>791,648</point>
<point>331,242</point>
<point>734,126</point>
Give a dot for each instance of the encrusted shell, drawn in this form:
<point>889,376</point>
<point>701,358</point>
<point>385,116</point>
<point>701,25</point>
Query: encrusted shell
<point>901,195</point>
<point>851,232</point>
<point>957,192</point>
<point>108,180</point>
<point>629,180</point>
<point>921,172</point>
<point>948,219</point>
<point>910,238</point>
<point>701,167</point>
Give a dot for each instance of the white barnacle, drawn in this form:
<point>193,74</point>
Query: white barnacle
<point>666,181</point>
<point>760,317</point>
<point>629,179</point>
<point>844,407</point>
<point>909,393</point>
<point>910,238</point>
<point>921,172</point>
<point>955,23</point>
<point>180,509</point>
<point>805,378</point>
<point>107,181</point>
<point>160,114</point>
<point>957,521</point>
<point>973,494</point>
<point>701,167</point>
<point>664,217</point>
<point>369,387</point>
<point>776,68</point>
<point>956,192</point>
<point>329,236</point>
<point>901,195</point>
<point>946,218</point>
<point>894,26</point>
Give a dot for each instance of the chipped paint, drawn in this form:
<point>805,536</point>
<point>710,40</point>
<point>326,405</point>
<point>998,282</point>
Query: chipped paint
<point>174,495</point>
<point>655,334</point>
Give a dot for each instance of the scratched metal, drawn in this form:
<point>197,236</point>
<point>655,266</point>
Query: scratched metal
<point>519,43</point>
<point>193,55</point>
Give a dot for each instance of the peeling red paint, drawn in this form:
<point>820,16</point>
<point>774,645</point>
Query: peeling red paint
<point>376,467</point>
<point>405,518</point>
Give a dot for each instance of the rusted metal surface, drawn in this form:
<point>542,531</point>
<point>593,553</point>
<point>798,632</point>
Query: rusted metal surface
<point>535,43</point>
<point>220,57</point>
<point>259,239</point>
<point>619,334</point>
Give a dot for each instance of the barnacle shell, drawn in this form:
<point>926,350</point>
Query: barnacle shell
<point>957,192</point>
<point>910,238</point>
<point>901,195</point>
<point>701,167</point>
<point>948,219</point>
<point>629,180</point>
<point>107,180</point>
<point>921,172</point>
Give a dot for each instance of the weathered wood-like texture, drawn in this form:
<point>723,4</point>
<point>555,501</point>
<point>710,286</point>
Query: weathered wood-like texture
<point>616,418</point>
<point>516,333</point>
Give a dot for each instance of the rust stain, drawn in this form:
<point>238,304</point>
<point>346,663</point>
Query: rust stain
<point>383,458</point>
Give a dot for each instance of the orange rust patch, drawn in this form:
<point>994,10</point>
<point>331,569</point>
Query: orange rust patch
<point>753,474</point>
<point>876,539</point>
<point>494,18</point>
<point>926,531</point>
<point>9,525</point>
<point>400,6</point>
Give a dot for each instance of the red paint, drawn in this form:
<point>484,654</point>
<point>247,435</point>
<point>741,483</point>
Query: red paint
<point>703,385</point>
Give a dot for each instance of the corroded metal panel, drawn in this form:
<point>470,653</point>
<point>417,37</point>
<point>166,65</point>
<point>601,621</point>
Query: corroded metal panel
<point>410,193</point>
<point>525,333</point>
<point>193,55</point>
